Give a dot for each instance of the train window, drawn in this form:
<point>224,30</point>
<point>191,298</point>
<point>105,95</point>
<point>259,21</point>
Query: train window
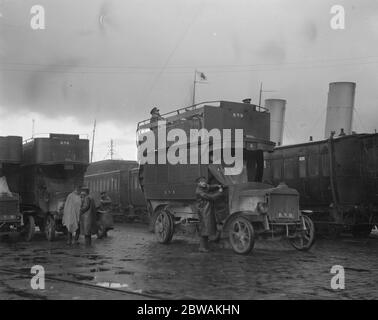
<point>302,167</point>
<point>277,169</point>
<point>289,168</point>
<point>325,164</point>
<point>313,165</point>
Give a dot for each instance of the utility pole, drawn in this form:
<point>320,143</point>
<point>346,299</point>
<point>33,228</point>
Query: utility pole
<point>33,128</point>
<point>261,91</point>
<point>194,87</point>
<point>111,149</point>
<point>93,139</point>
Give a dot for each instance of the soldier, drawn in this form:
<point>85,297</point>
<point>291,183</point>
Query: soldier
<point>106,201</point>
<point>87,216</point>
<point>71,214</point>
<point>206,195</point>
<point>155,115</point>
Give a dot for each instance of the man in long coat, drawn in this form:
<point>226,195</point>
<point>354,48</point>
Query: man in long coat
<point>87,216</point>
<point>71,214</point>
<point>206,196</point>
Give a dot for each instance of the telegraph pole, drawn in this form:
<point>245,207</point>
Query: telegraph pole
<point>93,139</point>
<point>194,87</point>
<point>111,149</point>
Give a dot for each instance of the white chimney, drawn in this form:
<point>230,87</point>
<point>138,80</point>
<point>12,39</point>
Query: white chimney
<point>276,109</point>
<point>340,108</point>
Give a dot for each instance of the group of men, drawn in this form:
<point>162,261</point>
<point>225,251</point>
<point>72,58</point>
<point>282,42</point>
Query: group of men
<point>79,216</point>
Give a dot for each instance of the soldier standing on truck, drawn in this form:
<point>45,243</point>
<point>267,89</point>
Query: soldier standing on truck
<point>155,115</point>
<point>206,195</point>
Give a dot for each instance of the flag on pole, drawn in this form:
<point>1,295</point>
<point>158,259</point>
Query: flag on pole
<point>202,76</point>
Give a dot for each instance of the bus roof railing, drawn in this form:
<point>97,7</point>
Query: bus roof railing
<point>145,123</point>
<point>55,135</point>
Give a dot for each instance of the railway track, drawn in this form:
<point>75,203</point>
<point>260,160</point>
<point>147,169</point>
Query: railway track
<point>84,284</point>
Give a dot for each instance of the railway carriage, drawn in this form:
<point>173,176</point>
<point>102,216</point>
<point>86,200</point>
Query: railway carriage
<point>337,179</point>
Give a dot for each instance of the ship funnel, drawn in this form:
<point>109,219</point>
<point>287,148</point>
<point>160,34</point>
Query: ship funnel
<point>277,109</point>
<point>340,107</point>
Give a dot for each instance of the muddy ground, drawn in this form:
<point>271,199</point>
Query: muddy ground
<point>131,261</point>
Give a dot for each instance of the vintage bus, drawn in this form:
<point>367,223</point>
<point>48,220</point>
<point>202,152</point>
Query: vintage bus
<point>249,208</point>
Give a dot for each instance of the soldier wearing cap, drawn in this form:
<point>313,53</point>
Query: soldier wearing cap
<point>206,196</point>
<point>155,115</point>
<point>87,216</point>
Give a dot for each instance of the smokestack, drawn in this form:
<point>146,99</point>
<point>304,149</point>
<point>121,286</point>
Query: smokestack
<point>340,107</point>
<point>277,109</point>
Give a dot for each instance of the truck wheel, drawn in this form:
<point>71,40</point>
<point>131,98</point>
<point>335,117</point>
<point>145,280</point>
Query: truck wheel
<point>164,227</point>
<point>29,228</point>
<point>305,241</point>
<point>50,228</point>
<point>241,235</point>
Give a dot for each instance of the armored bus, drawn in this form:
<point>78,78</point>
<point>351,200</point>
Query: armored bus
<point>249,208</point>
<point>51,168</point>
<point>10,160</point>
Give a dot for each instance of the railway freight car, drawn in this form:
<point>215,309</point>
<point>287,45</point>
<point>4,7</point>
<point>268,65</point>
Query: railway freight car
<point>119,179</point>
<point>51,168</point>
<point>337,179</point>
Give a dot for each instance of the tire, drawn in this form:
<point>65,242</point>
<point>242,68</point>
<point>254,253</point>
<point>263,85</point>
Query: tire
<point>50,228</point>
<point>163,227</point>
<point>29,228</point>
<point>305,242</point>
<point>241,235</point>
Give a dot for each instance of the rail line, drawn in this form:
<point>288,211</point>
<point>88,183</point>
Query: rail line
<point>84,284</point>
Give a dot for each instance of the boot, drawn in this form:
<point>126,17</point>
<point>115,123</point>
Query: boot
<point>88,241</point>
<point>204,244</point>
<point>69,238</point>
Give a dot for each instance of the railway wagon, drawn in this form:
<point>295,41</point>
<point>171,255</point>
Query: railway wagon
<point>119,179</point>
<point>337,179</point>
<point>10,162</point>
<point>51,168</point>
<point>249,208</point>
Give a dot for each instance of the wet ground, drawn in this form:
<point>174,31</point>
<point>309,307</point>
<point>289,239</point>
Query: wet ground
<point>131,261</point>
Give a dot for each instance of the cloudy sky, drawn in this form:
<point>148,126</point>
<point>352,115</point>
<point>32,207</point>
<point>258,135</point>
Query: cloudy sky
<point>112,60</point>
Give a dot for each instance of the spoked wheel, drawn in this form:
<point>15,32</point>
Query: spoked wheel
<point>241,235</point>
<point>305,240</point>
<point>164,226</point>
<point>50,228</point>
<point>29,228</point>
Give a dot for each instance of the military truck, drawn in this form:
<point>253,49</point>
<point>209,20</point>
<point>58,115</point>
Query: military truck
<point>249,209</point>
<point>11,219</point>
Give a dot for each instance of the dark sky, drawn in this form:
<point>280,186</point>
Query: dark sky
<point>115,59</point>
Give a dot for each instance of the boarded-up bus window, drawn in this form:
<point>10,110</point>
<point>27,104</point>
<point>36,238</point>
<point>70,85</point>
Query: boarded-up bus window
<point>325,164</point>
<point>302,167</point>
<point>289,168</point>
<point>277,169</point>
<point>313,165</point>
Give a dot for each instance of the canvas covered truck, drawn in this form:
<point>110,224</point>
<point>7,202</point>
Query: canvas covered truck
<point>249,209</point>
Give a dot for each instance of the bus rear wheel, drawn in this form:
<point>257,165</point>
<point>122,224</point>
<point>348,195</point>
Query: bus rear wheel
<point>164,226</point>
